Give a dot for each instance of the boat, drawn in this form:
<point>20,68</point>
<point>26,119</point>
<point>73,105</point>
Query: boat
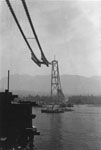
<point>52,109</point>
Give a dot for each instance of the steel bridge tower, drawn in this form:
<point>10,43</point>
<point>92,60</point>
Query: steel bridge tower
<point>56,90</point>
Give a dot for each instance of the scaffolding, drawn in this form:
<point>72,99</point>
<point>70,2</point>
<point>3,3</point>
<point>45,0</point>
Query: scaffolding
<point>56,90</point>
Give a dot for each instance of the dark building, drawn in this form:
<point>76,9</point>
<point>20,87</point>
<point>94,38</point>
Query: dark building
<point>16,129</point>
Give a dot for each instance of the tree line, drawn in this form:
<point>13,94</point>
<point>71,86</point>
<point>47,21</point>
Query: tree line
<point>85,99</point>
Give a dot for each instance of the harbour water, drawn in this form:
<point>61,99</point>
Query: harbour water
<point>76,130</point>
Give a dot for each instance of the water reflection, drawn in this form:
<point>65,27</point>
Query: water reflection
<point>55,132</point>
<point>50,126</point>
<point>78,130</point>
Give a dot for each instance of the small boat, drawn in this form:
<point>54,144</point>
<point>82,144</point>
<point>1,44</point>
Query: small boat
<point>52,109</point>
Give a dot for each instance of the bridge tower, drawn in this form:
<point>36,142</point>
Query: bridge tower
<point>56,90</point>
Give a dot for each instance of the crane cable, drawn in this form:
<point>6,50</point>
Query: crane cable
<point>34,58</point>
<point>33,30</point>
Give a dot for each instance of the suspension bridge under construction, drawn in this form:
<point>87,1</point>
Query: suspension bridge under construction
<point>56,90</point>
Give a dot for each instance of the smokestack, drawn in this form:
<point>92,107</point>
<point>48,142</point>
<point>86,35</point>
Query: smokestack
<point>8,81</point>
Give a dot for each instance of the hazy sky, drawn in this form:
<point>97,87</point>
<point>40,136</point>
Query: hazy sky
<point>70,30</point>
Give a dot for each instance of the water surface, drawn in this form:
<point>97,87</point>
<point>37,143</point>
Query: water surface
<point>76,130</point>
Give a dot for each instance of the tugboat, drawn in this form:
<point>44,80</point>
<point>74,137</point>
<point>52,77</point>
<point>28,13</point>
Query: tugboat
<point>16,130</point>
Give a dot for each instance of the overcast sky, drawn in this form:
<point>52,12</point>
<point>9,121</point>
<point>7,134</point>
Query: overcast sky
<point>70,30</point>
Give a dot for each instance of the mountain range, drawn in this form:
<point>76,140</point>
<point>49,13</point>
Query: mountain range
<point>41,84</point>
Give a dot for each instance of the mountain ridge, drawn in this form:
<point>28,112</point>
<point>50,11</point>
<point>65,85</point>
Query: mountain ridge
<point>41,84</point>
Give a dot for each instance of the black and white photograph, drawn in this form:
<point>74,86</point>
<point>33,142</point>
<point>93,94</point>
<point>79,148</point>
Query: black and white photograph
<point>50,74</point>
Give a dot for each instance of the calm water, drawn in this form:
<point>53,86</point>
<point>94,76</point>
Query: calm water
<point>77,130</point>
